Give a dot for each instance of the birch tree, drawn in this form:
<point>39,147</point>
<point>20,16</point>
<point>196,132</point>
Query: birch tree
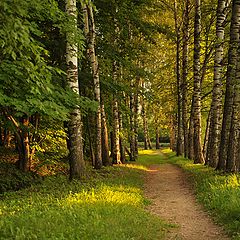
<point>233,157</point>
<point>179,147</point>
<point>185,42</point>
<point>77,164</point>
<point>229,94</point>
<point>90,34</point>
<point>212,154</point>
<point>198,155</point>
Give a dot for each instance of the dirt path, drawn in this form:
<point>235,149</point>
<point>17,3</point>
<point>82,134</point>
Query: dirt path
<point>173,200</point>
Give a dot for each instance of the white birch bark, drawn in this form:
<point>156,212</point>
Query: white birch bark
<point>77,164</point>
<point>90,34</point>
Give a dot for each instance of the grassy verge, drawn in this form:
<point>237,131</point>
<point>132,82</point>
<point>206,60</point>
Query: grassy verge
<point>219,193</point>
<point>108,205</point>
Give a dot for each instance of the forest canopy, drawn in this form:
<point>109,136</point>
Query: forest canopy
<point>90,80</point>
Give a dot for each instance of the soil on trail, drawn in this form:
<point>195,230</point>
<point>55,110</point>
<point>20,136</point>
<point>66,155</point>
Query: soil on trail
<point>173,200</point>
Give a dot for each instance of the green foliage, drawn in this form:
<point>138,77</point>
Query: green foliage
<point>28,82</point>
<point>12,179</point>
<point>219,193</point>
<point>109,205</point>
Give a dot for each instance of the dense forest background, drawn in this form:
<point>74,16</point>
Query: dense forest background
<point>84,81</point>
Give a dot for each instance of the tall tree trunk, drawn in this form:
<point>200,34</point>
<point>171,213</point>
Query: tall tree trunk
<point>116,140</point>
<point>90,33</point>
<point>77,164</point>
<point>147,142</point>
<point>179,145</point>
<point>136,108</point>
<point>132,131</point>
<point>231,72</point>
<point>116,143</point>
<point>212,154</point>
<point>233,158</point>
<point>206,137</point>
<point>105,145</point>
<point>198,155</point>
<point>173,132</point>
<point>185,74</point>
<point>121,140</point>
<point>90,135</point>
<point>191,134</point>
<point>157,138</point>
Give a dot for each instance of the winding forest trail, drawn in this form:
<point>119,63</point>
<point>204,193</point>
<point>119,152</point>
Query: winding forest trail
<point>173,199</point>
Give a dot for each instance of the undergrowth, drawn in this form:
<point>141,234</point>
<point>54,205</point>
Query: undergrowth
<point>107,205</point>
<point>218,192</point>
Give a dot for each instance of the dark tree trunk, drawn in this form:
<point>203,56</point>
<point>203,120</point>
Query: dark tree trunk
<point>105,145</point>
<point>179,145</point>
<point>121,141</point>
<point>231,72</point>
<point>185,74</point>
<point>206,137</point>
<point>157,138</point>
<point>191,134</point>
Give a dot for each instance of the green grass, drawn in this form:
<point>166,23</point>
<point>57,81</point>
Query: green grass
<point>108,205</point>
<point>219,193</point>
<point>150,157</point>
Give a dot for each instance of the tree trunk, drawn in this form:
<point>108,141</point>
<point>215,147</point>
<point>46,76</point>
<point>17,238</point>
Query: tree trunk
<point>135,116</point>
<point>116,143</point>
<point>116,149</point>
<point>212,154</point>
<point>90,126</point>
<point>121,141</point>
<point>105,145</point>
<point>185,74</point>
<point>198,155</point>
<point>231,72</point>
<point>77,164</point>
<point>1,135</point>
<point>173,132</point>
<point>147,143</point>
<point>233,157</point>
<point>90,34</point>
<point>191,134</point>
<point>24,146</point>
<point>179,145</point>
<point>206,138</point>
<point>157,138</point>
<point>132,132</point>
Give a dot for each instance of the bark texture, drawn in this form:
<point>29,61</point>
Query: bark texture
<point>179,144</point>
<point>198,155</point>
<point>233,158</point>
<point>90,34</point>
<point>212,153</point>
<point>105,145</point>
<point>77,164</point>
<point>184,84</point>
<point>229,95</point>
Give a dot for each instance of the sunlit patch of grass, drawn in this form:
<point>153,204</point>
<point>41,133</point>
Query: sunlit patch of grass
<point>151,157</point>
<point>109,205</point>
<point>219,193</point>
<point>149,152</point>
<point>107,195</point>
<point>135,166</point>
